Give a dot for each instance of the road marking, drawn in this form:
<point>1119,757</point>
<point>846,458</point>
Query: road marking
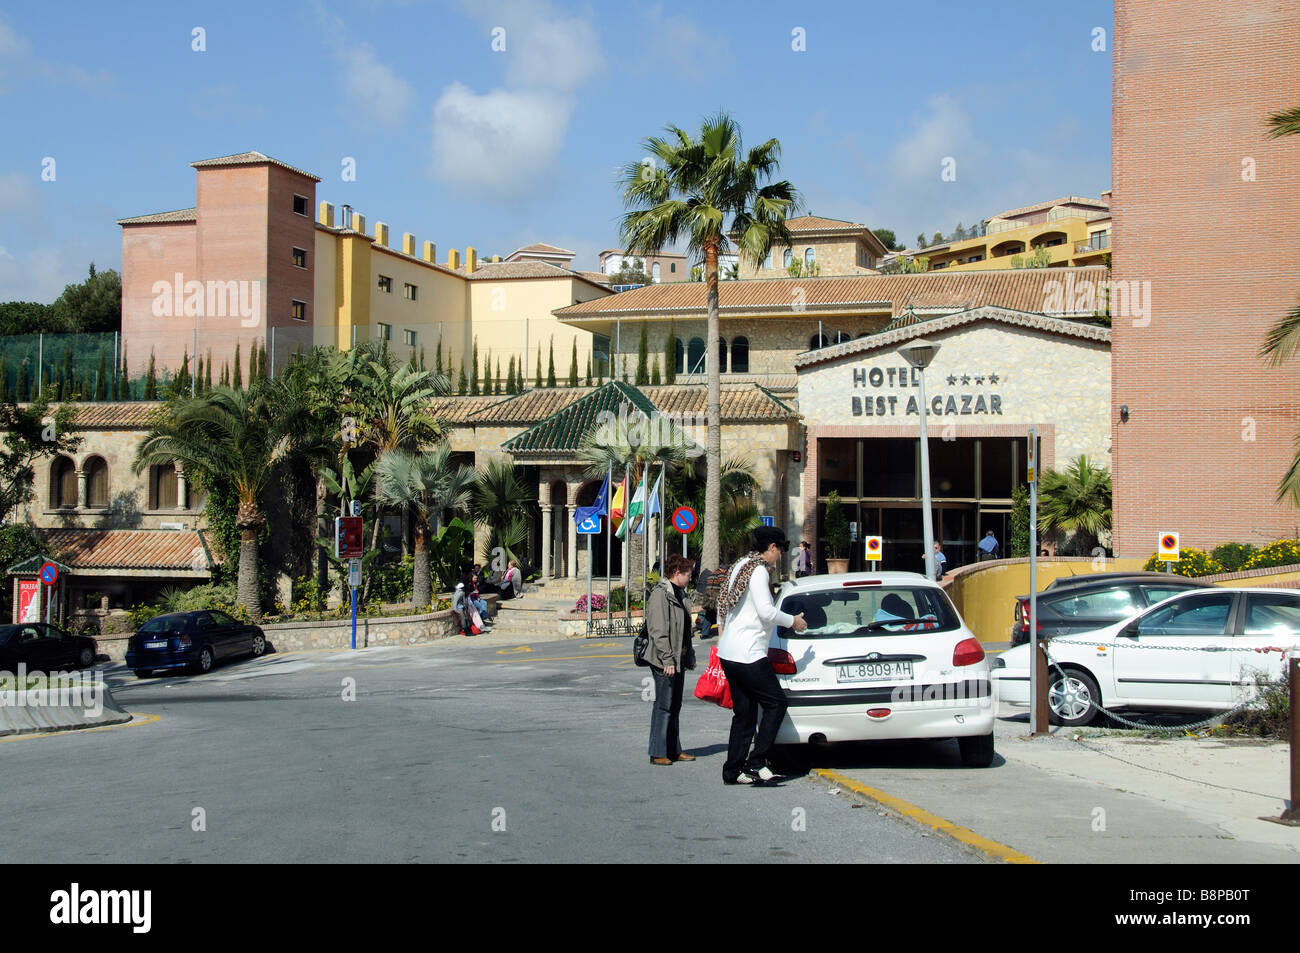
<point>556,658</point>
<point>991,849</point>
<point>137,718</point>
<point>515,651</point>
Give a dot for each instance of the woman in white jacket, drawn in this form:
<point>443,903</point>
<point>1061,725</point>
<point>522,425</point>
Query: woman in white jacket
<point>747,618</point>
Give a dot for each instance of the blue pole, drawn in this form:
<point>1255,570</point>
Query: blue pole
<point>354,618</point>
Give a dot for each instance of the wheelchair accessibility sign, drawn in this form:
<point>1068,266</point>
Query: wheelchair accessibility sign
<point>589,526</point>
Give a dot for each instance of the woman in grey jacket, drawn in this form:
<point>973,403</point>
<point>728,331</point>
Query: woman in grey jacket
<point>668,625</point>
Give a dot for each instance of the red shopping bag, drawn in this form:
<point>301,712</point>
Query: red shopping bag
<point>712,686</point>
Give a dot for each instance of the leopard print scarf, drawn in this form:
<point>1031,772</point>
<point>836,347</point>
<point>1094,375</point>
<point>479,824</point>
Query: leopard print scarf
<point>731,594</point>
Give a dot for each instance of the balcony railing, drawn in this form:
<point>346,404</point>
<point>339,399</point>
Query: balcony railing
<point>1098,242</point>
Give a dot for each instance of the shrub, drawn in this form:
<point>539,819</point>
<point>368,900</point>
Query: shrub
<point>392,582</point>
<point>139,615</point>
<point>1269,717</point>
<point>1282,552</point>
<point>1193,562</point>
<point>618,600</point>
<point>1233,556</point>
<point>597,603</point>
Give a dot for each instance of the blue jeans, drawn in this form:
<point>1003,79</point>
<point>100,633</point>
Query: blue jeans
<point>665,734</point>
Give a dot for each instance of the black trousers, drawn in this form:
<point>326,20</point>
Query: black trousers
<point>753,684</point>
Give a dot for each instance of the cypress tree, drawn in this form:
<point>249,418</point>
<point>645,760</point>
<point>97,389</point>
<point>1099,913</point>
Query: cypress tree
<point>573,365</point>
<point>460,386</point>
<point>498,385</point>
<point>22,386</point>
<point>4,378</point>
<point>473,370</point>
<point>437,366</point>
<point>538,383</point>
<point>489,382</point>
<point>624,368</point>
<point>421,357</point>
<point>182,379</point>
<point>550,366</point>
<point>600,373</point>
<point>124,382</point>
<point>642,357</point>
<point>589,370</point>
<point>207,373</point>
<point>670,356</point>
<point>225,375</point>
<point>237,381</point>
<point>654,373</point>
<point>68,380</point>
<point>101,377</point>
<point>151,380</point>
<point>510,376</point>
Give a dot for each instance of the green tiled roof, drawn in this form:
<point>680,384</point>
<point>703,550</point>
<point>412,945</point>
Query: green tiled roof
<point>565,430</point>
<point>34,564</point>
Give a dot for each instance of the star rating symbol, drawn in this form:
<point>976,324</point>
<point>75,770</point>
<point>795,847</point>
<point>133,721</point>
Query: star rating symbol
<point>993,378</point>
<point>979,379</point>
<point>952,379</point>
<point>965,380</point>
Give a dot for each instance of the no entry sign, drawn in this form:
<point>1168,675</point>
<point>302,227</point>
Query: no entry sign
<point>684,519</point>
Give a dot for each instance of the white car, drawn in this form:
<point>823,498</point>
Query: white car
<point>1200,651</point>
<point>885,656</point>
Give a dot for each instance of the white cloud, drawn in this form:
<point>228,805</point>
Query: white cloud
<point>41,274</point>
<point>675,45</point>
<point>373,89</point>
<point>502,143</point>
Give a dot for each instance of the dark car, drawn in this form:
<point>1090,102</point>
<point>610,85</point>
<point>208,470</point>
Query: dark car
<point>194,640</point>
<point>1082,603</point>
<point>44,648</point>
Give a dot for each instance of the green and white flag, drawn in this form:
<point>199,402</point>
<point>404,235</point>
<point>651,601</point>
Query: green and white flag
<point>634,511</point>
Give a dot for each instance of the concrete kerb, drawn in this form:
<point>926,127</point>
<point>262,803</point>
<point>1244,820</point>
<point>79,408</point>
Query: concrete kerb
<point>21,716</point>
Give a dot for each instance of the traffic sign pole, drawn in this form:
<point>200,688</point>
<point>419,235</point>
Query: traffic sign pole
<point>1038,674</point>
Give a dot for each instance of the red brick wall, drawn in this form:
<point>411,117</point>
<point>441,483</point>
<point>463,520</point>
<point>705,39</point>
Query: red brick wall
<point>154,253</point>
<point>1193,85</point>
<point>287,230</point>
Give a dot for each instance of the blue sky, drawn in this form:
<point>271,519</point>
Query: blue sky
<point>467,145</point>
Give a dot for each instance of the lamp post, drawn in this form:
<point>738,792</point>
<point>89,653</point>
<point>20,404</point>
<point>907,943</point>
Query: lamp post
<point>919,354</point>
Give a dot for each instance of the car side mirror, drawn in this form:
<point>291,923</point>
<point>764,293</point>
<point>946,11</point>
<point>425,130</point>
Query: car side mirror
<point>1130,631</point>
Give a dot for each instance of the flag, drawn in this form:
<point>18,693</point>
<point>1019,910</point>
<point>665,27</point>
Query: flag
<point>599,505</point>
<point>637,507</point>
<point>616,507</point>
<point>654,507</point>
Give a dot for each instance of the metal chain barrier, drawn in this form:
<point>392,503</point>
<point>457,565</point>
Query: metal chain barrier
<point>1205,723</point>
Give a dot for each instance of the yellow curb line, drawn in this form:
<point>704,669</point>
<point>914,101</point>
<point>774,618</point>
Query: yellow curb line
<point>556,658</point>
<point>136,719</point>
<point>991,849</point>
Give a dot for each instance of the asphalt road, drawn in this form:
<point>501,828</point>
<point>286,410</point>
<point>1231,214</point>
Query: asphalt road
<point>442,753</point>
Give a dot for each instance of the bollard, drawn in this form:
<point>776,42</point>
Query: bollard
<point>1291,816</point>
<point>1041,723</point>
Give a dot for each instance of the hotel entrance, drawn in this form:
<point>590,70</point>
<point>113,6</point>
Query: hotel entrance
<point>878,481</point>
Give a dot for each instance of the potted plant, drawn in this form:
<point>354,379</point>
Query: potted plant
<point>836,535</point>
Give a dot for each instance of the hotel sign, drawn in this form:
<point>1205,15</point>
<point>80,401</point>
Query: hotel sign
<point>883,392</point>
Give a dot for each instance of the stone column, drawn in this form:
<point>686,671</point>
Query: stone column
<point>573,531</point>
<point>182,489</point>
<point>546,541</point>
<point>81,488</point>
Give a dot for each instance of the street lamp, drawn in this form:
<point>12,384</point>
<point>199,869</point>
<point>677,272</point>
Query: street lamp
<point>919,354</point>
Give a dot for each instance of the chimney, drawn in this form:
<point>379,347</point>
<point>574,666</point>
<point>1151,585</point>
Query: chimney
<point>327,214</point>
<point>471,260</point>
<point>431,252</point>
<point>358,223</point>
<point>453,259</point>
<point>381,234</point>
<point>408,244</point>
<point>496,259</point>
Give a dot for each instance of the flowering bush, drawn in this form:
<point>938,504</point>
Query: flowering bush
<point>1282,552</point>
<point>597,603</point>
<point>1192,562</point>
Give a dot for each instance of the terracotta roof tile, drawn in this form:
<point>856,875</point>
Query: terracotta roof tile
<point>162,218</point>
<point>116,415</point>
<point>457,411</point>
<point>250,158</point>
<point>1021,290</point>
<point>529,407</point>
<point>504,270</point>
<point>816,223</point>
<point>543,249</point>
<point>132,549</point>
<point>743,402</point>
<point>1063,200</point>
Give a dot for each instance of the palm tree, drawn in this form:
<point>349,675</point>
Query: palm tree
<point>425,484</point>
<point>237,438</point>
<point>705,191</point>
<point>1283,338</point>
<point>739,514</point>
<point>503,502</point>
<point>1078,500</point>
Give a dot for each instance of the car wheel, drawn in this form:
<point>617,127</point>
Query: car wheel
<point>259,644</point>
<point>86,657</point>
<point>142,672</point>
<point>205,659</point>
<point>976,750</point>
<point>1073,699</point>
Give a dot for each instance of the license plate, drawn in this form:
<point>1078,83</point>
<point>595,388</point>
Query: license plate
<point>873,671</point>
<point>156,645</point>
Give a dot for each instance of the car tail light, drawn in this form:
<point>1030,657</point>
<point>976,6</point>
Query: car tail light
<point>968,652</point>
<point>853,584</point>
<point>183,642</point>
<point>878,712</point>
<point>782,661</point>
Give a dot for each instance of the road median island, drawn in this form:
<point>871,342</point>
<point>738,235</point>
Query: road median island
<point>32,703</point>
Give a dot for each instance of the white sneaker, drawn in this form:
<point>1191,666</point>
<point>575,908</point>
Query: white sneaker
<point>765,773</point>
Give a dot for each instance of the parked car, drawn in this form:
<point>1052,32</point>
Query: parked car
<point>196,640</point>
<point>1197,651</point>
<point>885,656</point>
<point>1083,603</point>
<point>44,648</point>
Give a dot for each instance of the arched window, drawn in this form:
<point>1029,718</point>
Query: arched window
<point>654,272</point>
<point>96,471</point>
<point>162,486</point>
<point>740,355</point>
<point>681,355</point>
<point>809,255</point>
<point>722,355</point>
<point>63,483</point>
<point>816,341</point>
<point>787,258</point>
<point>695,356</point>
<point>842,336</point>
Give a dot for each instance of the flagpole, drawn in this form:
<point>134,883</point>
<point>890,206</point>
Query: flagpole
<point>609,540</point>
<point>626,540</point>
<point>645,536</point>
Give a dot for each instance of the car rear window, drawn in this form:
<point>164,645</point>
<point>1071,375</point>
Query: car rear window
<point>1116,603</point>
<point>164,625</point>
<point>1269,614</point>
<point>832,613</point>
